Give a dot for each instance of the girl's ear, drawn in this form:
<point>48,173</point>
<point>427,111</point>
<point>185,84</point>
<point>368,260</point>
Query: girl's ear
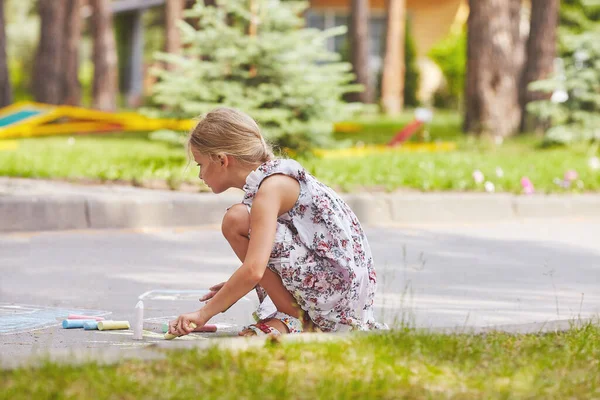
<point>223,159</point>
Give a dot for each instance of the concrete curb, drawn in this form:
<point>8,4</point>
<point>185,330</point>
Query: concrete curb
<point>29,205</point>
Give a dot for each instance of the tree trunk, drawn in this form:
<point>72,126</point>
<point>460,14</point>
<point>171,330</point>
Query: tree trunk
<point>491,92</point>
<point>48,64</point>
<point>392,81</point>
<point>71,93</point>
<point>174,13</point>
<point>5,87</point>
<point>104,54</point>
<point>541,51</point>
<point>359,46</point>
<point>253,31</point>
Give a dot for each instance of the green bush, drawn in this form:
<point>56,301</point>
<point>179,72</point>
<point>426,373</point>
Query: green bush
<point>451,56</point>
<point>412,74</point>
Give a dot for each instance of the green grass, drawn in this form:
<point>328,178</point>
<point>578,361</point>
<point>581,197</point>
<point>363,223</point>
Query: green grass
<point>132,158</point>
<point>445,125</point>
<point>399,364</point>
<point>453,171</point>
<point>115,157</point>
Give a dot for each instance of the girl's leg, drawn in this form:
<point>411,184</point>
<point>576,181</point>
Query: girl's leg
<point>235,228</point>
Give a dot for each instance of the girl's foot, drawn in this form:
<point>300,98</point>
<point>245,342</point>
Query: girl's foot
<point>281,323</point>
<point>267,326</point>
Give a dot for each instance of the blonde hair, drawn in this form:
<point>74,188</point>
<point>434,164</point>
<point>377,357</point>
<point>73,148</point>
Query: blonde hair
<point>230,131</point>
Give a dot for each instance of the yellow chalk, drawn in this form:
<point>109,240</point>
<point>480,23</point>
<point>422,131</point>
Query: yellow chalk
<point>169,336</point>
<point>112,325</point>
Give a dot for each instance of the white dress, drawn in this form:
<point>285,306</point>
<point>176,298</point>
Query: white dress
<point>320,252</point>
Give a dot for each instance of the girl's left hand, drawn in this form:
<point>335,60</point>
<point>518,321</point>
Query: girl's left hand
<point>181,326</point>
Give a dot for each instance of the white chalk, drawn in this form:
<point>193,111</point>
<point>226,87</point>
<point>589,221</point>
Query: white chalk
<point>138,325</point>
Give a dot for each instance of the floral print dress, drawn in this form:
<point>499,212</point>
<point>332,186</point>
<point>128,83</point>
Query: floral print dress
<point>320,252</point>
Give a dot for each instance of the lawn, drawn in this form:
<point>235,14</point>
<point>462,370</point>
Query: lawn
<point>398,364</point>
<point>133,158</point>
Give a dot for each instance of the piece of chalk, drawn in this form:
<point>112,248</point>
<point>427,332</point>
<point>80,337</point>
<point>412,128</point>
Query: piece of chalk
<point>77,316</point>
<point>75,323</point>
<point>112,325</point>
<point>90,325</point>
<point>169,336</point>
<point>138,323</point>
<point>205,328</point>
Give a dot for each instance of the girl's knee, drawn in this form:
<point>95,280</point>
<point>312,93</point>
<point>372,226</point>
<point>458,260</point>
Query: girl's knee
<point>236,221</point>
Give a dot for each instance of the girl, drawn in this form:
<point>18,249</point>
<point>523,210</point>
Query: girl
<point>298,241</point>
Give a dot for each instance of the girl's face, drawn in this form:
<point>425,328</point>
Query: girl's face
<point>212,172</point>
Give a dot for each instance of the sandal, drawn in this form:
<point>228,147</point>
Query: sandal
<point>261,328</point>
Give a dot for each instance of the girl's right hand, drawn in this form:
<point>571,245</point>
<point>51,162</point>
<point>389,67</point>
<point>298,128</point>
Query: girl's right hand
<point>213,290</point>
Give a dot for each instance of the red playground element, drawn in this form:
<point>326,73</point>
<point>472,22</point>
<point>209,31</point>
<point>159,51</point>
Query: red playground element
<point>422,115</point>
<point>405,133</point>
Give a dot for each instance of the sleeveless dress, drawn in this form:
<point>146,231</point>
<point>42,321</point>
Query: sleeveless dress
<point>320,252</point>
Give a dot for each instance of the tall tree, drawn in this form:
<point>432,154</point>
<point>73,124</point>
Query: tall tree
<point>392,81</point>
<point>491,92</point>
<point>541,51</point>
<point>359,48</point>
<point>5,87</point>
<point>104,55</point>
<point>47,79</point>
<point>71,90</point>
<point>174,13</point>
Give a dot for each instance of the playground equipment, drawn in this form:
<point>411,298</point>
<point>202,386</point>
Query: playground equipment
<point>422,116</point>
<point>398,144</point>
<point>27,119</point>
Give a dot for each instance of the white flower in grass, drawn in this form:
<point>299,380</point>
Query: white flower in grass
<point>478,176</point>
<point>71,141</point>
<point>490,187</point>
<point>499,172</point>
<point>558,181</point>
<point>594,163</point>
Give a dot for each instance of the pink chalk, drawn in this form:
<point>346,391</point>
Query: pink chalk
<point>75,316</point>
<point>206,328</point>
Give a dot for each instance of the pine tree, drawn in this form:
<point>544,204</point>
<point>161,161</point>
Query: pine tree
<point>577,16</point>
<point>574,108</point>
<point>282,75</point>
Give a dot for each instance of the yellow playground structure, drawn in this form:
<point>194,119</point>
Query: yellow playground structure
<point>26,119</point>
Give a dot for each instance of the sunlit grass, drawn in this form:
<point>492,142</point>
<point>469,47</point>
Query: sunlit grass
<point>399,364</point>
<point>135,159</point>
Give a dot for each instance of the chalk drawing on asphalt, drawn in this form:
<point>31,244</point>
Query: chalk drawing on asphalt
<point>176,295</point>
<point>153,335</point>
<point>19,318</point>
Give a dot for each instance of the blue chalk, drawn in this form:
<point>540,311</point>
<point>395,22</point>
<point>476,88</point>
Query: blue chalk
<point>75,323</point>
<point>90,325</point>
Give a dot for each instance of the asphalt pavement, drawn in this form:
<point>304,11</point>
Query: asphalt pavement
<point>507,274</point>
